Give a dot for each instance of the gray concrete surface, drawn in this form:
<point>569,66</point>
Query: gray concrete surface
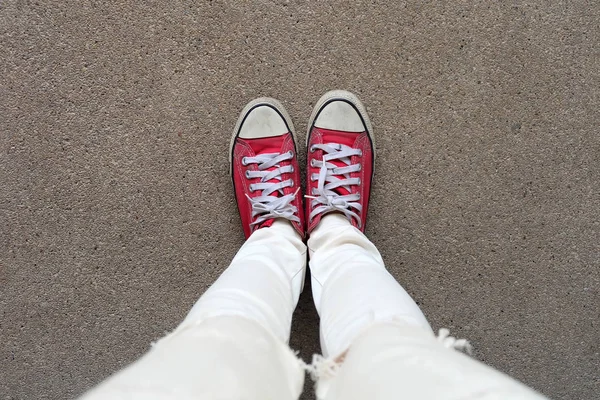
<point>116,210</point>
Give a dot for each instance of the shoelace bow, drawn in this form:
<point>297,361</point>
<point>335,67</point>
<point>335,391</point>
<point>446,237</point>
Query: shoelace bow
<point>324,197</point>
<point>268,205</point>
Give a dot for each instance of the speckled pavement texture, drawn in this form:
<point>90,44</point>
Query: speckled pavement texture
<point>116,207</point>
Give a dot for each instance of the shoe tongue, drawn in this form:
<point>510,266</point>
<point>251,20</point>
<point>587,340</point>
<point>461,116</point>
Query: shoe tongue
<point>267,145</point>
<point>339,137</point>
<point>264,145</point>
<point>265,224</point>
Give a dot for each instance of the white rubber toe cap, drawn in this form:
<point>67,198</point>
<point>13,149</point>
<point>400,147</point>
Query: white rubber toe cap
<point>340,116</point>
<point>262,121</point>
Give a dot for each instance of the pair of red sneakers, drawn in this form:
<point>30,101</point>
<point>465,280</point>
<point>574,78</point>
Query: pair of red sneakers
<point>340,157</point>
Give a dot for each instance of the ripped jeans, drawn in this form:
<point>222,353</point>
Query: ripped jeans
<point>376,342</point>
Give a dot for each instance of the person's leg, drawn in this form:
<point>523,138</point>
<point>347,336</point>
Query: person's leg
<point>233,343</point>
<point>263,282</point>
<point>351,287</point>
<point>344,264</point>
<point>391,360</point>
<point>376,341</point>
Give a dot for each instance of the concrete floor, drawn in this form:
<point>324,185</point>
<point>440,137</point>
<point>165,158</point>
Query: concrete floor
<point>116,208</point>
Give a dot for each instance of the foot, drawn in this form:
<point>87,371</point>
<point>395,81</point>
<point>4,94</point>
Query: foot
<point>341,154</point>
<point>264,167</point>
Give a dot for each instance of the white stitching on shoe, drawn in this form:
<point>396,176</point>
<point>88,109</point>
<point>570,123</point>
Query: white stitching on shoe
<point>268,206</point>
<point>326,199</point>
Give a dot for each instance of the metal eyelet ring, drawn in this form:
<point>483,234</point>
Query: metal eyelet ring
<point>247,174</point>
<point>244,161</point>
<point>291,153</point>
<point>251,188</point>
<point>312,162</point>
<point>292,182</point>
<point>292,169</point>
<point>360,153</point>
<point>312,149</point>
<point>358,196</point>
<point>358,181</point>
<point>359,167</point>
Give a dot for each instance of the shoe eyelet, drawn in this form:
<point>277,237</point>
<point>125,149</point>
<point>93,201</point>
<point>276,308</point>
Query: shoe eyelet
<point>312,148</point>
<point>292,182</point>
<point>251,188</point>
<point>312,162</point>
<point>358,196</point>
<point>290,153</point>
<point>313,177</point>
<point>359,167</point>
<point>244,161</point>
<point>247,174</point>
<point>359,181</point>
<point>292,170</point>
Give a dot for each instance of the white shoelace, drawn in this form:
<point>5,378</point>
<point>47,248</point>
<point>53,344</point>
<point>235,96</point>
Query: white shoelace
<point>324,197</point>
<point>267,206</point>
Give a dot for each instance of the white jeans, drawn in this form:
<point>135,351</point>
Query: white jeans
<point>376,342</point>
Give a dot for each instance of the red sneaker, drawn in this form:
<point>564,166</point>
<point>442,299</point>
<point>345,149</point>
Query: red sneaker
<point>341,154</point>
<point>264,167</point>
